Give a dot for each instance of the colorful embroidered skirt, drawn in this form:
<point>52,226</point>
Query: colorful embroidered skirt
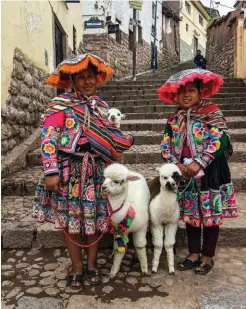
<point>78,212</point>
<point>213,197</point>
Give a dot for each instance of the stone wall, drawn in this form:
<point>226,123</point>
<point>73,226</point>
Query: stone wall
<point>27,98</point>
<point>221,61</point>
<point>119,56</point>
<point>221,44</point>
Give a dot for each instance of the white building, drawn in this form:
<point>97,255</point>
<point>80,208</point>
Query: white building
<point>193,29</point>
<point>103,13</point>
<point>111,21</point>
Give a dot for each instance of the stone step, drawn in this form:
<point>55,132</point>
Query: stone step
<point>140,92</point>
<point>24,182</point>
<point>158,124</point>
<point>157,106</point>
<point>160,76</point>
<point>19,230</point>
<point>127,99</point>
<point>152,137</point>
<point>151,153</point>
<point>162,115</point>
<point>161,80</point>
<point>150,85</point>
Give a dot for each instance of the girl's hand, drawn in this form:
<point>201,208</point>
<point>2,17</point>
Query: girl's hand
<point>193,168</point>
<point>130,138</point>
<point>53,183</point>
<point>183,169</point>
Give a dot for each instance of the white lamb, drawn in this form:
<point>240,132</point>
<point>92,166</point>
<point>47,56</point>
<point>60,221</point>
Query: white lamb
<point>164,213</point>
<point>126,189</point>
<point>115,116</point>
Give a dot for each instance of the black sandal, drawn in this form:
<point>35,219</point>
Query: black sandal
<point>186,264</point>
<point>93,274</point>
<point>73,280</point>
<point>203,268</point>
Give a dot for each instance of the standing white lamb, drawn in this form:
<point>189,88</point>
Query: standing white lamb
<point>164,214</point>
<point>115,116</point>
<point>129,197</point>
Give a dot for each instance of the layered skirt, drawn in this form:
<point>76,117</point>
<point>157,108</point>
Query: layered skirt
<point>210,198</point>
<point>81,206</point>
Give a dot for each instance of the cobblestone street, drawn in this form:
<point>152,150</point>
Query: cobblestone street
<point>30,276</point>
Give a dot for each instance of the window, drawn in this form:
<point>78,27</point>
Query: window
<point>200,20</point>
<point>187,27</point>
<point>118,36</point>
<point>153,10</point>
<point>153,30</point>
<point>140,35</point>
<point>74,40</point>
<point>187,7</point>
<point>131,40</point>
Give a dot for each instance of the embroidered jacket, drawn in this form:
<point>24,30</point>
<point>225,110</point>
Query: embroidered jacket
<point>68,124</point>
<point>205,142</point>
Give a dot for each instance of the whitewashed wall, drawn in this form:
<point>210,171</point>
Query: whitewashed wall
<point>120,9</point>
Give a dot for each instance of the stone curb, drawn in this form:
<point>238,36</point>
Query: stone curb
<point>30,234</point>
<point>16,159</point>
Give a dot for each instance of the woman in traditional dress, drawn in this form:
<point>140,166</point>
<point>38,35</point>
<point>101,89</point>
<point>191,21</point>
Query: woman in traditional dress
<point>196,138</point>
<point>77,142</point>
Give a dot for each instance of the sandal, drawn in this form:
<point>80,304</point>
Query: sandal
<point>73,280</point>
<point>186,264</point>
<point>203,268</point>
<point>93,274</point>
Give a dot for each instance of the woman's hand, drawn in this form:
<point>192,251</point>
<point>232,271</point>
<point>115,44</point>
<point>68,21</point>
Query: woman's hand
<point>183,169</point>
<point>193,168</point>
<point>53,183</point>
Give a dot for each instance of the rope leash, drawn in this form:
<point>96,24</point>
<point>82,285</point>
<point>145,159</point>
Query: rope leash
<point>193,189</point>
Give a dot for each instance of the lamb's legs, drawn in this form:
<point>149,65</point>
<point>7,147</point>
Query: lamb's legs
<point>170,233</point>
<point>116,263</point>
<point>157,239</point>
<point>140,242</point>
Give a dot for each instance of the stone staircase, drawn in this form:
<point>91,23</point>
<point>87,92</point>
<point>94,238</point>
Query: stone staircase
<point>145,119</point>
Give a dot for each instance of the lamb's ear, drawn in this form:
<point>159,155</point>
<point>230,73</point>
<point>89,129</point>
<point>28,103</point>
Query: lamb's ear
<point>123,116</point>
<point>132,178</point>
<point>158,169</point>
<point>177,177</point>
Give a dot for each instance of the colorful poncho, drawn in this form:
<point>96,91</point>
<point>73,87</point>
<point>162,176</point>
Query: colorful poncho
<point>106,141</point>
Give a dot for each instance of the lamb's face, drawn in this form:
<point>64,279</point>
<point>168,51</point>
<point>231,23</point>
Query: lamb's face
<point>115,116</point>
<point>114,186</point>
<point>170,176</point>
<point>116,179</point>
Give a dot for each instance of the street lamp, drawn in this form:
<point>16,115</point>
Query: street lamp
<point>218,3</point>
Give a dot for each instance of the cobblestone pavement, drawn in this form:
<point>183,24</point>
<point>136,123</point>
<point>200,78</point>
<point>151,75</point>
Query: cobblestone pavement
<point>36,278</point>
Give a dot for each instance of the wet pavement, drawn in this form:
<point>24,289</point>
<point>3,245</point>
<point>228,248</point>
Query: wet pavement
<point>36,278</point>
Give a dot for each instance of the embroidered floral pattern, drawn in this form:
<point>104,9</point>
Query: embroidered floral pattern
<point>90,193</point>
<point>201,131</point>
<point>69,123</point>
<point>78,214</point>
<point>64,140</point>
<point>214,145</point>
<point>75,190</point>
<point>215,205</point>
<point>48,149</point>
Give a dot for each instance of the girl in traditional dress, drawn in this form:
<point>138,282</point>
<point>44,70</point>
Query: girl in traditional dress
<point>196,138</point>
<point>77,142</point>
